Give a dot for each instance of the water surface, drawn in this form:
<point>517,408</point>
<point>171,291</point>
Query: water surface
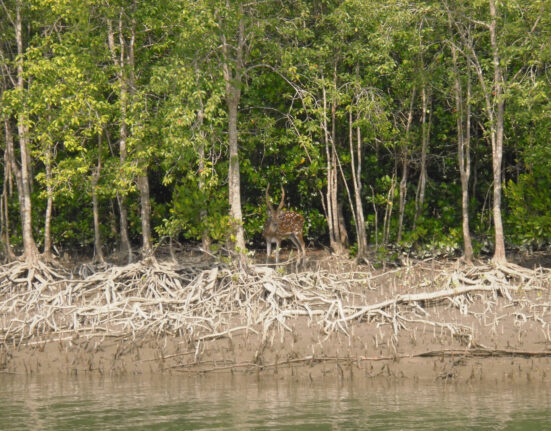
<point>245,403</point>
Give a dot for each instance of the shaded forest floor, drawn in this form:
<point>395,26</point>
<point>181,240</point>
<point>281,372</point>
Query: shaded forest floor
<point>424,319</point>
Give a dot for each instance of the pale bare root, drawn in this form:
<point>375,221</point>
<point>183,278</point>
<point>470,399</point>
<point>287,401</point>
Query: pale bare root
<point>203,301</point>
<point>19,275</point>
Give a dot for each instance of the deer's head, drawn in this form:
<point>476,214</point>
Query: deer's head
<point>273,213</point>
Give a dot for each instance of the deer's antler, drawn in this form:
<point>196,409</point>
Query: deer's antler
<point>268,203</point>
<point>282,199</point>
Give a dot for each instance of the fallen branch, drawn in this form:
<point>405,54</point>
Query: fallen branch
<point>310,360</point>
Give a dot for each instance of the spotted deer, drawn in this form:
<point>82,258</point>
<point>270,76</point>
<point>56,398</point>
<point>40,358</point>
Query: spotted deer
<point>281,225</point>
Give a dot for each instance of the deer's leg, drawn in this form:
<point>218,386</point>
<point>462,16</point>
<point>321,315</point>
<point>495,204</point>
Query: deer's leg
<point>278,243</point>
<point>296,243</point>
<point>268,249</point>
<point>301,246</point>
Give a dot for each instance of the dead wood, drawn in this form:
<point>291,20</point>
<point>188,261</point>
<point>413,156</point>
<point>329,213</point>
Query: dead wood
<point>200,366</point>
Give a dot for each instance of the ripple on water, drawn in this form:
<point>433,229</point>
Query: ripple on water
<point>225,402</point>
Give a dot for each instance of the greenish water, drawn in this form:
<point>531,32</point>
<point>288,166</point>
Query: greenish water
<point>244,403</point>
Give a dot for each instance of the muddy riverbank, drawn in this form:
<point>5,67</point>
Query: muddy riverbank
<point>427,320</point>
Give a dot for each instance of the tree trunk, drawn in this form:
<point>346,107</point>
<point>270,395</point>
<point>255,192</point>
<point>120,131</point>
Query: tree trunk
<point>404,179</point>
<point>343,233</point>
<point>205,238</point>
<point>234,179</point>
<point>233,80</point>
<point>388,209</point>
<point>332,215</point>
<point>9,163</point>
<point>356,166</point>
<point>119,62</point>
<point>5,238</point>
<point>143,185</point>
<point>402,193</point>
<point>376,217</point>
<point>30,250</point>
<point>464,149</point>
<point>425,135</point>
<point>341,237</point>
<point>98,248</point>
<point>143,181</point>
<point>497,139</point>
<point>332,196</point>
<point>49,207</point>
<point>125,247</point>
<point>113,219</point>
<point>463,119</point>
<point>495,110</point>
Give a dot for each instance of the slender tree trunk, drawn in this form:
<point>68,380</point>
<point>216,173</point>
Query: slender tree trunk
<point>6,244</point>
<point>143,180</point>
<point>234,173</point>
<point>402,193</point>
<point>30,250</point>
<point>6,191</point>
<point>233,75</point>
<point>357,181</point>
<point>425,135</point>
<point>125,246</point>
<point>497,139</point>
<point>332,193</point>
<point>404,179</point>
<point>389,206</point>
<point>335,239</point>
<point>340,230</point>
<point>463,111</point>
<point>13,165</point>
<point>356,166</point>
<point>330,213</point>
<point>113,219</point>
<point>376,217</point>
<point>343,233</point>
<point>119,62</point>
<point>495,110</point>
<point>205,238</point>
<point>49,207</point>
<point>358,188</point>
<point>143,186</point>
<point>4,214</point>
<point>341,236</point>
<point>98,247</point>
<point>465,173</point>
<point>332,207</point>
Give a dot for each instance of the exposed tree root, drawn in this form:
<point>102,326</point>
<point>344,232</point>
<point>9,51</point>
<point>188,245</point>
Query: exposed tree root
<point>22,275</point>
<point>203,301</point>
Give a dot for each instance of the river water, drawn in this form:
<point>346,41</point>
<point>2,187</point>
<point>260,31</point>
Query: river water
<point>227,402</point>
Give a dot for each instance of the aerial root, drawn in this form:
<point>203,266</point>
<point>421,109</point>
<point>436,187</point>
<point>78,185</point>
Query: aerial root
<point>20,275</point>
<point>203,301</point>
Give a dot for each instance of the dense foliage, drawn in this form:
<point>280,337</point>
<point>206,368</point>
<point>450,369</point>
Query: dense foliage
<point>121,113</point>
